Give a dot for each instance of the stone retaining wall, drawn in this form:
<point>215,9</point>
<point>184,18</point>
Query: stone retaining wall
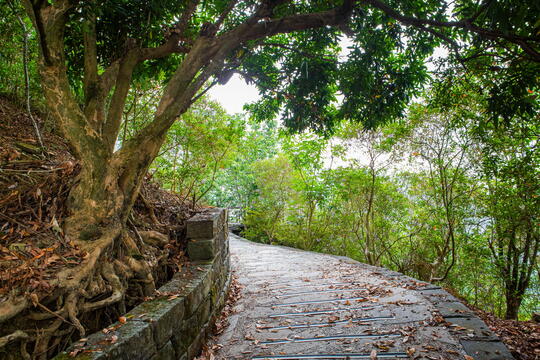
<point>173,326</point>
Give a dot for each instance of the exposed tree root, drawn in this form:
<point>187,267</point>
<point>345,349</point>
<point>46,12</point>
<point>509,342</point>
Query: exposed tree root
<point>73,311</point>
<point>68,280</point>
<point>12,307</point>
<point>94,284</point>
<point>16,335</point>
<point>118,290</point>
<point>63,284</point>
<point>48,313</point>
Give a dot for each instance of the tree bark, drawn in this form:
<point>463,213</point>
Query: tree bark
<point>513,303</point>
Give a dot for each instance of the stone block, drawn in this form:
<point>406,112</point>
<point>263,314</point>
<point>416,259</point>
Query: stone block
<point>475,328</point>
<point>486,350</point>
<point>201,249</point>
<point>199,290</point>
<point>220,239</point>
<point>216,267</point>
<point>449,309</point>
<point>166,352</point>
<point>179,284</point>
<point>203,312</point>
<point>437,295</point>
<point>206,224</point>
<point>220,301</point>
<point>135,342</point>
<point>179,343</point>
<point>195,347</point>
<point>165,315</point>
<point>214,294</point>
<point>190,329</point>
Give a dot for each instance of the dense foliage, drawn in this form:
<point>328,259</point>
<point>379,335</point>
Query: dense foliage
<point>448,194</point>
<point>13,27</point>
<point>441,196</point>
<point>445,195</point>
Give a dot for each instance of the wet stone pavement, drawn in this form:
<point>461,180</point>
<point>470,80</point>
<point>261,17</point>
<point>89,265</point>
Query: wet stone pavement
<point>304,305</point>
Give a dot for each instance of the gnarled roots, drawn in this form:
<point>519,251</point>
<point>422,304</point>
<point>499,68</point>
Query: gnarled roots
<point>117,271</point>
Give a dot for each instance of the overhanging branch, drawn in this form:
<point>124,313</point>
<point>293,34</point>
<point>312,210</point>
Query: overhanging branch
<point>524,42</point>
<point>299,22</point>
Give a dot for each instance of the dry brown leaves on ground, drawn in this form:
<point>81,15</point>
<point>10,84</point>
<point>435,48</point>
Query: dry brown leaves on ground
<point>34,186</point>
<point>210,349</point>
<point>522,338</point>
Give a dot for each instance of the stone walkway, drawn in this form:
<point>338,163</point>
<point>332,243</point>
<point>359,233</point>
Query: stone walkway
<point>304,305</point>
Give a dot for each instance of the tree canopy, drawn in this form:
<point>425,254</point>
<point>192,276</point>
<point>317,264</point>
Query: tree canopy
<point>291,51</point>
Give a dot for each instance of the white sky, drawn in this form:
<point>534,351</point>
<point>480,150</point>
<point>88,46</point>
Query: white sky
<point>234,94</point>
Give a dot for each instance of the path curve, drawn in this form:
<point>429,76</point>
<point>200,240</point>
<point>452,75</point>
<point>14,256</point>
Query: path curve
<point>304,305</point>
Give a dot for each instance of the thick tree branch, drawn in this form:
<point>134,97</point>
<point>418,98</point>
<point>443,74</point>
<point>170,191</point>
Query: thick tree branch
<point>108,77</point>
<point>203,92</point>
<point>93,96</point>
<point>225,13</point>
<point>90,57</point>
<point>49,21</point>
<point>123,82</point>
<point>327,58</point>
<point>172,45</point>
<point>206,58</point>
<point>183,24</point>
<point>522,41</point>
<point>299,22</point>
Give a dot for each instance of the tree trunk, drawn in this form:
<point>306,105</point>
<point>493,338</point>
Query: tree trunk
<point>370,245</point>
<point>107,189</point>
<point>513,303</point>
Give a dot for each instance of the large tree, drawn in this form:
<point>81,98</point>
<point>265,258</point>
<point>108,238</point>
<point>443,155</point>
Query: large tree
<point>92,51</point>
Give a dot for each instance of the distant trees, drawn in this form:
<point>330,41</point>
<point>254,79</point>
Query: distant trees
<point>443,196</point>
<point>439,147</point>
<point>198,145</point>
<point>510,169</point>
<point>236,183</point>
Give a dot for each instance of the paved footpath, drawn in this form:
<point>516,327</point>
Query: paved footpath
<point>304,305</point>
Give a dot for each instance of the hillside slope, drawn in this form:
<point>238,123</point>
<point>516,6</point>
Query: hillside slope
<point>34,191</point>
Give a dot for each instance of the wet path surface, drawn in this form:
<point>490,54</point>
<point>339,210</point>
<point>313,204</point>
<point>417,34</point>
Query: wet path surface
<point>303,305</point>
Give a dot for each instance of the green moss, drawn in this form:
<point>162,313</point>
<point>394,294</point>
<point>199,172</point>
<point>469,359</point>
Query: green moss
<point>137,256</point>
<point>91,232</point>
<point>65,356</point>
<point>152,305</point>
